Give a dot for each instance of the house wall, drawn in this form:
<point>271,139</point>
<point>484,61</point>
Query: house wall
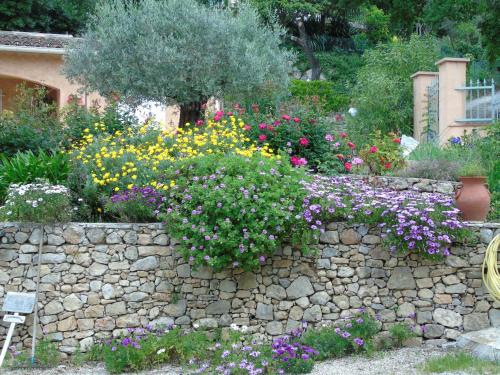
<point>98,279</point>
<point>41,68</point>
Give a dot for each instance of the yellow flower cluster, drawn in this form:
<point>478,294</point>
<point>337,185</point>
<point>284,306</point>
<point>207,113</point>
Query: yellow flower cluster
<point>138,155</point>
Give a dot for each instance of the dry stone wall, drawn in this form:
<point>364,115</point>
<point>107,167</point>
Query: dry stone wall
<point>98,279</point>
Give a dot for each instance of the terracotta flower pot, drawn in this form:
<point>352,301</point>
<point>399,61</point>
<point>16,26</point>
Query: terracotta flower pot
<point>473,198</point>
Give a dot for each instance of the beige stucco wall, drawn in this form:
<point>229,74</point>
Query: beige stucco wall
<point>420,82</point>
<point>42,68</point>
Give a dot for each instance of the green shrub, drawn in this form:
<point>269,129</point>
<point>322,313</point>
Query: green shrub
<point>39,202</point>
<point>401,332</point>
<point>32,124</point>
<point>383,93</point>
<point>26,167</point>
<point>77,119</point>
<point>306,138</point>
<point>234,211</point>
<point>325,93</point>
<point>472,168</point>
<point>46,353</point>
<point>383,153</point>
<point>351,336</point>
<point>443,170</point>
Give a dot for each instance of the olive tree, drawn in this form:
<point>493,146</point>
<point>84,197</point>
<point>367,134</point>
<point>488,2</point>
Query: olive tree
<point>178,52</point>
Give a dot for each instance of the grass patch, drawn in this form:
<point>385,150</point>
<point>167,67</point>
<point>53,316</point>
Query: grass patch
<point>460,361</point>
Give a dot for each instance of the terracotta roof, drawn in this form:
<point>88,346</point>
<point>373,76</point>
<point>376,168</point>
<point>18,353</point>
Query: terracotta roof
<point>39,40</point>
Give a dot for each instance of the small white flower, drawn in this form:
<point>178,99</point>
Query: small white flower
<point>196,326</point>
<point>161,351</point>
<point>234,327</point>
<point>244,329</point>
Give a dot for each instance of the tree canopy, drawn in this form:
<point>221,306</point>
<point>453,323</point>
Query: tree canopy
<point>178,51</point>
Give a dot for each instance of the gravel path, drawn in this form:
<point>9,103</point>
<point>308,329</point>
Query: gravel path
<point>403,361</point>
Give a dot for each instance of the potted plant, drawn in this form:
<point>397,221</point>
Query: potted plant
<point>472,196</point>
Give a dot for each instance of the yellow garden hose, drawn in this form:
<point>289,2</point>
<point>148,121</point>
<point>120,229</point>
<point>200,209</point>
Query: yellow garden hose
<point>491,276</point>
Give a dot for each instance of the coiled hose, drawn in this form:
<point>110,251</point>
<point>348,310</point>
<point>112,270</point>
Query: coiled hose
<point>491,276</point>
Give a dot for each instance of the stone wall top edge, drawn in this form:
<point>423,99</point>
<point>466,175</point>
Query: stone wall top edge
<point>398,178</point>
<point>472,224</point>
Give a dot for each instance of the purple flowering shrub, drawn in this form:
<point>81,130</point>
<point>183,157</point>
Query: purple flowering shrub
<point>143,348</point>
<point>235,211</point>
<point>410,221</point>
<point>138,204</point>
<point>292,356</point>
<point>351,335</point>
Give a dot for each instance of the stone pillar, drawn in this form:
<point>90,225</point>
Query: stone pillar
<point>452,74</point>
<point>420,82</point>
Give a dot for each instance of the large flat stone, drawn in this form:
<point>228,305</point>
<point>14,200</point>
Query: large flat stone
<point>300,287</point>
<point>401,278</point>
<point>483,344</point>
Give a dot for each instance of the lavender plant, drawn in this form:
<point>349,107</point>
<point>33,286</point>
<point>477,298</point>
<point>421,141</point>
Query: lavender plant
<point>138,204</point>
<point>425,223</point>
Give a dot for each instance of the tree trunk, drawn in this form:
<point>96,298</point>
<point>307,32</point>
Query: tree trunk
<point>305,43</point>
<point>190,112</point>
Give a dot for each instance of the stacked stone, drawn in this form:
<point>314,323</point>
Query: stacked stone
<point>98,279</point>
<point>416,184</point>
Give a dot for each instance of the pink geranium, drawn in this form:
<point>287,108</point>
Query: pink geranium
<point>286,117</point>
<point>199,122</point>
<point>373,149</point>
<point>303,141</point>
<point>262,137</point>
<point>329,138</point>
<point>297,162</point>
<point>343,135</point>
<point>351,145</point>
<point>348,166</point>
<point>262,126</point>
<point>247,127</point>
<point>296,119</point>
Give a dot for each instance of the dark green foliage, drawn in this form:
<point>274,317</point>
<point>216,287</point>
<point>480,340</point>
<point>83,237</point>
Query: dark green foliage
<point>26,167</point>
<point>490,29</point>
<point>54,16</point>
<point>376,24</point>
<point>329,97</point>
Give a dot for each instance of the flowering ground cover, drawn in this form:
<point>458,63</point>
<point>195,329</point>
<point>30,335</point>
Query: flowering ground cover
<point>236,351</point>
<point>425,223</point>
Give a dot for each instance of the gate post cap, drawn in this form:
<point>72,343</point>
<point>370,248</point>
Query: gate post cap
<point>453,59</point>
<point>421,73</point>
